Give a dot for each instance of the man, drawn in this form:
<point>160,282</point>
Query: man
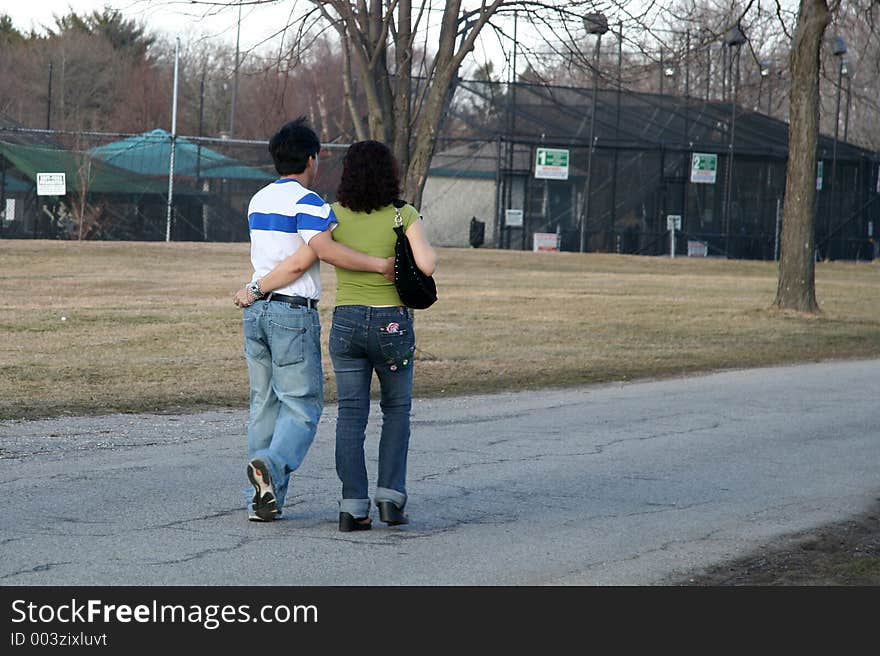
<point>290,229</point>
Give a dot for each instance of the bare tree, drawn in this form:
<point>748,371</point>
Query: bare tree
<point>796,289</point>
<point>399,112</point>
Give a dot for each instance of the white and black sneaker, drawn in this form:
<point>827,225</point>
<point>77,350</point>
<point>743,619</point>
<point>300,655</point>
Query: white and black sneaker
<point>263,507</point>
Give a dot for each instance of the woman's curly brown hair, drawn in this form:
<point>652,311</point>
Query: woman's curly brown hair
<point>370,177</point>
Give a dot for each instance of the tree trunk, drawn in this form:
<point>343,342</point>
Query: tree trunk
<point>403,85</point>
<point>408,125</point>
<point>796,288</point>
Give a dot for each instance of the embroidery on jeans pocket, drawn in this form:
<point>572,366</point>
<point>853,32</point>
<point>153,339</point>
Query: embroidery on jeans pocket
<point>392,328</point>
<point>393,342</point>
<point>402,361</point>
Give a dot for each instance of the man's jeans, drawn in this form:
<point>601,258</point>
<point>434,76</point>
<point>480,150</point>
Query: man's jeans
<point>282,345</point>
<point>364,339</point>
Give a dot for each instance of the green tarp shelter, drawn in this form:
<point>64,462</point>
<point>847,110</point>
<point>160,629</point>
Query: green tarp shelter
<point>149,154</point>
<point>78,167</point>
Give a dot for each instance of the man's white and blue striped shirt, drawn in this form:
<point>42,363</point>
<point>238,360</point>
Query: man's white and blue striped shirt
<point>282,216</point>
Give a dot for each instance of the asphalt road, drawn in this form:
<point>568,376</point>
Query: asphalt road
<point>638,483</point>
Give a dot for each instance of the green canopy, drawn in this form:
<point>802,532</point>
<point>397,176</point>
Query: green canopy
<point>99,176</point>
<point>149,154</point>
<point>16,186</point>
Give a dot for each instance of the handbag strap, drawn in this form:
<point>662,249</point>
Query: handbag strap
<point>398,220</point>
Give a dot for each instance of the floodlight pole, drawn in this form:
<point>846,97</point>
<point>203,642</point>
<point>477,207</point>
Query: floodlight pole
<point>846,115</point>
<point>734,39</point>
<point>49,101</point>
<point>235,75</point>
<point>596,24</point>
<point>612,217</point>
<point>173,140</point>
<point>839,51</point>
<point>765,74</point>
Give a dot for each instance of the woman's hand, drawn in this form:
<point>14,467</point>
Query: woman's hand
<point>388,270</point>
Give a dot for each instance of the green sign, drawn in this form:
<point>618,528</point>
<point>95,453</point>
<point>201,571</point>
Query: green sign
<point>704,167</point>
<point>551,164</point>
<point>819,176</point>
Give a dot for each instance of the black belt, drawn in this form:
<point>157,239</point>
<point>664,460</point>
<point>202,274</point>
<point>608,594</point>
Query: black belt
<point>292,300</point>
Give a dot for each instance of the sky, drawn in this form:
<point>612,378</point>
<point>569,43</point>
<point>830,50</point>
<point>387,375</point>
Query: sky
<point>170,17</point>
<point>259,23</point>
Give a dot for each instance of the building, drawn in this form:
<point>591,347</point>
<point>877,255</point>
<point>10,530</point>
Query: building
<point>718,166</point>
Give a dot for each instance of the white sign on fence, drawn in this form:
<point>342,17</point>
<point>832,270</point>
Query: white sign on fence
<point>545,241</point>
<point>9,214</point>
<point>697,248</point>
<point>513,218</point>
<point>703,168</point>
<point>551,164</point>
<point>51,184</point>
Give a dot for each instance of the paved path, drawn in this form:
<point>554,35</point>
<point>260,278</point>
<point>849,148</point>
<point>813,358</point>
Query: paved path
<point>636,483</point>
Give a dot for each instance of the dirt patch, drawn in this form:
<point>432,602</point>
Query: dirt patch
<point>844,553</point>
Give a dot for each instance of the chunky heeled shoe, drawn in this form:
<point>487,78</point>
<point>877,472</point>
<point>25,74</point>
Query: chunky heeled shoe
<point>391,514</point>
<point>348,523</point>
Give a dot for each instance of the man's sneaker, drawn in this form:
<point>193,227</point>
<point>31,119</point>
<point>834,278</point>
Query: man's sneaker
<point>264,508</point>
<point>254,517</point>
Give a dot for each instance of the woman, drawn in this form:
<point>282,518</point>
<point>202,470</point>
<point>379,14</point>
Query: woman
<point>373,331</point>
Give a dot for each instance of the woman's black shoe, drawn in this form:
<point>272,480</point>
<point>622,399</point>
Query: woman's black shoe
<point>347,523</point>
<point>391,514</point>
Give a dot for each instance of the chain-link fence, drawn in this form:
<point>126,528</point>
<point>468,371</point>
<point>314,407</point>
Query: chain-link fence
<point>717,167</point>
<point>126,186</point>
<point>617,196</point>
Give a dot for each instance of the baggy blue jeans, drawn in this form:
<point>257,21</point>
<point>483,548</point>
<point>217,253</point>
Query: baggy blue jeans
<point>365,339</point>
<point>282,345</point>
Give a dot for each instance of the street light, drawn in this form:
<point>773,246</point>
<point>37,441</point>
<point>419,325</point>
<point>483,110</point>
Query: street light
<point>668,71</point>
<point>733,39</point>
<point>848,77</point>
<point>235,74</point>
<point>595,24</point>
<point>839,51</point>
<point>766,67</point>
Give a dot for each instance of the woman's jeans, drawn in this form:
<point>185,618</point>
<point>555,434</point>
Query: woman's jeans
<point>282,345</point>
<point>364,339</point>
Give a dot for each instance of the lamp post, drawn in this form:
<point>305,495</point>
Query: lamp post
<point>49,101</point>
<point>596,24</point>
<point>612,215</point>
<point>846,74</point>
<point>839,51</point>
<point>733,39</point>
<point>765,74</point>
<point>235,75</point>
<point>668,71</point>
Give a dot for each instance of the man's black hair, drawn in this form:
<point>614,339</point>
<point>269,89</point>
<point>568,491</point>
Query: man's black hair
<point>292,146</point>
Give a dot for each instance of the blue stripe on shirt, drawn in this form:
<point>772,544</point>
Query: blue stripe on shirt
<point>311,222</point>
<point>312,199</point>
<point>278,222</point>
<point>291,224</point>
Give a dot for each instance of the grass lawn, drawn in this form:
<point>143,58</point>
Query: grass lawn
<point>99,327</point>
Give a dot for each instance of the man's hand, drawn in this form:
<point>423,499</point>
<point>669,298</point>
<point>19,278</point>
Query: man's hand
<point>388,269</point>
<point>243,298</point>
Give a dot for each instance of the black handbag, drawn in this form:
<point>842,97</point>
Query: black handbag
<point>416,290</point>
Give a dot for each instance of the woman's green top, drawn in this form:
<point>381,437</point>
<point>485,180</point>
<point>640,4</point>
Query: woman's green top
<point>371,233</point>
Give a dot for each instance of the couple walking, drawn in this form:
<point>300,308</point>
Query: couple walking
<point>290,230</point>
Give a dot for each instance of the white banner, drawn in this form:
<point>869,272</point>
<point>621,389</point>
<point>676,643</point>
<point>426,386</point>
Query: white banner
<point>51,184</point>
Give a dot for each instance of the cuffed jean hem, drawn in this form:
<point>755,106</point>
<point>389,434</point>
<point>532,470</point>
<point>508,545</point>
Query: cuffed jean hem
<point>387,494</point>
<point>357,508</point>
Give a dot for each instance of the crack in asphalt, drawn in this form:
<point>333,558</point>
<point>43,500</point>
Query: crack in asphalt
<point>45,567</point>
<point>205,552</point>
